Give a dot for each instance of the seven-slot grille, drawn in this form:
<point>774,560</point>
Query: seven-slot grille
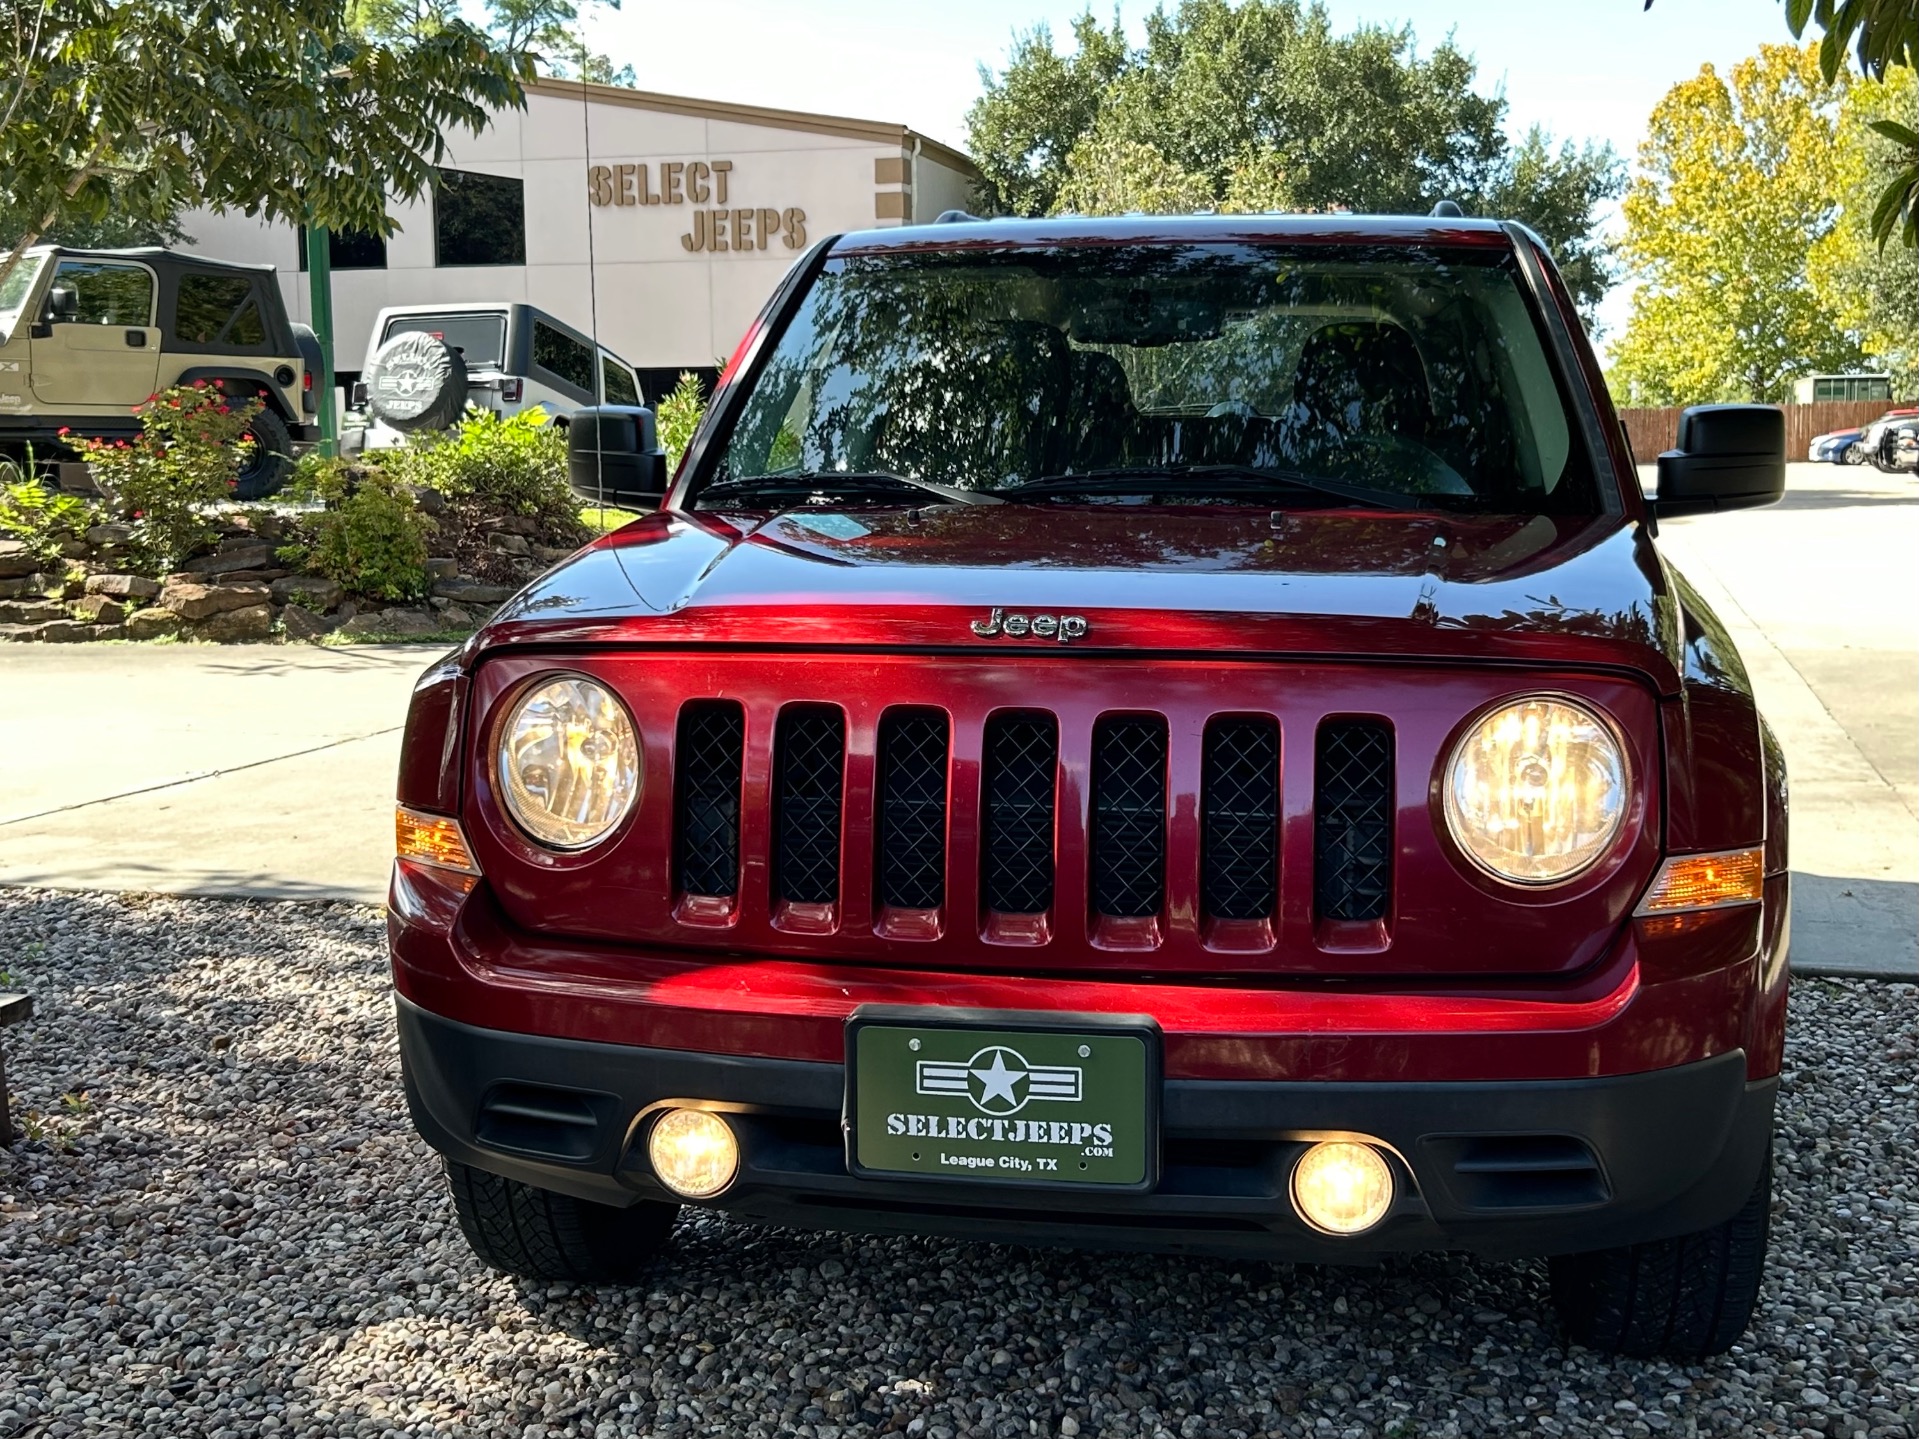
<point>1126,854</point>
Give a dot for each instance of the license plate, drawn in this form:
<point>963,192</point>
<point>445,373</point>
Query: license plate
<point>1038,1100</point>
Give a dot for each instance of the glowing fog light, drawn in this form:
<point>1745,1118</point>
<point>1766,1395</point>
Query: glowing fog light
<point>1342,1188</point>
<point>1537,791</point>
<point>569,763</point>
<point>693,1152</point>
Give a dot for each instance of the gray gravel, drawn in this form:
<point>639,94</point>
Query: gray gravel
<point>225,1227</point>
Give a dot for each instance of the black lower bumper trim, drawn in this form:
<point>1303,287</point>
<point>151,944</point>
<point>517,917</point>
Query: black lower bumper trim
<point>1502,1169</point>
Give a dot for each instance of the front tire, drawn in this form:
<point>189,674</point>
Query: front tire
<point>538,1234</point>
<point>271,463</point>
<point>1681,1298</point>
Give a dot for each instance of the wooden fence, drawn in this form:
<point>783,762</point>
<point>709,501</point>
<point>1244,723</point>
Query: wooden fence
<point>1654,430</point>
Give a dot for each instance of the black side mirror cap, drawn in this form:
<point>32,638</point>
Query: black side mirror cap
<point>63,304</point>
<point>613,456</point>
<point>1730,457</point>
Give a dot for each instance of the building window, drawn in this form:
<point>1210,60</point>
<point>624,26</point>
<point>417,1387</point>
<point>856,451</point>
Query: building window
<point>563,356</point>
<point>348,249</point>
<point>479,220</point>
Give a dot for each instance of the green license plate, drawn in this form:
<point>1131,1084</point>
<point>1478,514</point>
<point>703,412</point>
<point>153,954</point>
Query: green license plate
<point>1003,1098</point>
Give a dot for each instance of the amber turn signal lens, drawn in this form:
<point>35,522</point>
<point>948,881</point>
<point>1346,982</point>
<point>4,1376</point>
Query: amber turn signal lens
<point>431,839</point>
<point>1705,881</point>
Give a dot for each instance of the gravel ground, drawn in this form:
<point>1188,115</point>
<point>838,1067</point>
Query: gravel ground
<point>224,1226</point>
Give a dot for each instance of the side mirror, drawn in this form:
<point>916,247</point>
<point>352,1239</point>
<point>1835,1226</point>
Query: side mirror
<point>1730,457</point>
<point>613,457</point>
<point>63,304</point>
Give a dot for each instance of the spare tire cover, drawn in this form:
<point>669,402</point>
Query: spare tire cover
<point>416,382</point>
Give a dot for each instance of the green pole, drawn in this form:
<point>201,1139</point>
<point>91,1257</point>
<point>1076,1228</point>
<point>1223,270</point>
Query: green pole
<point>320,291</point>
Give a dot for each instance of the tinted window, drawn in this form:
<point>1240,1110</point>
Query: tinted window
<point>480,339</point>
<point>479,220</point>
<point>348,249</point>
<point>562,355</point>
<point>1198,370</point>
<point>616,383</point>
<point>108,294</point>
<point>217,309</point>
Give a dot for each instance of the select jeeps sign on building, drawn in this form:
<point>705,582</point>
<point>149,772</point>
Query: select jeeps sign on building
<point>662,221</point>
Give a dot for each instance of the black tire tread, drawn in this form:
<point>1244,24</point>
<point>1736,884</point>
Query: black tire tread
<point>272,464</point>
<point>1687,1297</point>
<point>537,1234</point>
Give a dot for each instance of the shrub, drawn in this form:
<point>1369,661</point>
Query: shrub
<point>44,518</point>
<point>371,538</point>
<point>678,416</point>
<point>512,466</point>
<point>192,442</point>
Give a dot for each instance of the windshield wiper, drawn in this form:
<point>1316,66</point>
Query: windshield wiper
<point>838,482</point>
<point>1204,480</point>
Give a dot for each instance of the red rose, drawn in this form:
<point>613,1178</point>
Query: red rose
<point>64,431</point>
<point>199,384</point>
<point>226,409</point>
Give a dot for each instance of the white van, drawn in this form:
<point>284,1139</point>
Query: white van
<point>426,363</point>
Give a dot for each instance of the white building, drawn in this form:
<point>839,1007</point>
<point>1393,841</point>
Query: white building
<point>661,222</point>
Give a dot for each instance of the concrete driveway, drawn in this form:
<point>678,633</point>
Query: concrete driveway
<point>269,770</point>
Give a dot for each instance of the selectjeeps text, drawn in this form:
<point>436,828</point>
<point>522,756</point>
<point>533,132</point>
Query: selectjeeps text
<point>1172,734</point>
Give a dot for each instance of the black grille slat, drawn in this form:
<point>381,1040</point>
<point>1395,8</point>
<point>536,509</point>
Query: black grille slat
<point>1239,801</point>
<point>711,744</point>
<point>1129,817</point>
<point>809,767</point>
<point>1353,820</point>
<point>912,810</point>
<point>1022,754</point>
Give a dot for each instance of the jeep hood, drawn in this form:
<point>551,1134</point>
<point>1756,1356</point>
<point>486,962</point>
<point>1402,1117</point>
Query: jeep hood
<point>1572,590</point>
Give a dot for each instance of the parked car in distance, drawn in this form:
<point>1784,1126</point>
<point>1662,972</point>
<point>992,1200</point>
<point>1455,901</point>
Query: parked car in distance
<point>426,363</point>
<point>1153,733</point>
<point>1891,442</point>
<point>87,335</point>
<point>1839,447</point>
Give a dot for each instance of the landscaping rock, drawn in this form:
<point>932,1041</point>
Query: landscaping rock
<point>301,623</point>
<point>251,555</point>
<point>315,592</point>
<point>101,610</point>
<point>123,587</point>
<point>64,632</point>
<point>509,544</point>
<point>430,500</point>
<point>254,622</point>
<point>383,624</point>
<point>19,585</point>
<point>443,568</point>
<point>192,601</point>
<point>17,634</point>
<point>16,559</point>
<point>31,612</point>
<point>553,554</point>
<point>114,532</point>
<point>474,592</point>
<point>456,617</point>
<point>152,624</point>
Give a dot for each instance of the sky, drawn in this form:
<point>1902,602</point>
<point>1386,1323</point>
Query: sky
<point>1584,69</point>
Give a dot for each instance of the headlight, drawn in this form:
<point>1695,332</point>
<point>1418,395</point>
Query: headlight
<point>569,763</point>
<point>1537,790</point>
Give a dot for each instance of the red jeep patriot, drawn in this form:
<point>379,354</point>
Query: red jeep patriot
<point>1160,733</point>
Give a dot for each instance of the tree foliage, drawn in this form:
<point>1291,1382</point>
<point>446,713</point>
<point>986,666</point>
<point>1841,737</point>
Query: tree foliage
<point>1884,35</point>
<point>1259,105</point>
<point>276,108</point>
<point>1736,191</point>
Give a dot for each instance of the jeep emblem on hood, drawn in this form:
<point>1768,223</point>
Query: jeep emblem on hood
<point>1064,628</point>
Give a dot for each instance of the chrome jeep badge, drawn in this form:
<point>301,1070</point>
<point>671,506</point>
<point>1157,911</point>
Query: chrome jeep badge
<point>1064,628</point>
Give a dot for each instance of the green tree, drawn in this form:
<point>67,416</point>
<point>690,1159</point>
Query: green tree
<point>1260,105</point>
<point>1736,190</point>
<point>1885,38</point>
<point>277,108</point>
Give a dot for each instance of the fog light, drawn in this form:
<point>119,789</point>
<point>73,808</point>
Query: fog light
<point>693,1152</point>
<point>1342,1188</point>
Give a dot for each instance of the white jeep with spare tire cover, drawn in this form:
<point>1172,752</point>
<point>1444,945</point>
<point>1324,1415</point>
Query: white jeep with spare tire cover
<point>425,364</point>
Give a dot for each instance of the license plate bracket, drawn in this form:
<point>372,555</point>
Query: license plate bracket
<point>1003,1098</point>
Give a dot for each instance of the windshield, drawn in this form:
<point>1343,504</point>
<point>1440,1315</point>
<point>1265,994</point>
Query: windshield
<point>1413,378</point>
<point>480,339</point>
<point>15,289</point>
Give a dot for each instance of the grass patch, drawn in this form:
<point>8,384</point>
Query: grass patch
<point>338,641</point>
<point>601,521</point>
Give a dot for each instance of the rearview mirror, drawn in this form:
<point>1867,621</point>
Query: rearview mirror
<point>63,304</point>
<point>613,457</point>
<point>1730,457</point>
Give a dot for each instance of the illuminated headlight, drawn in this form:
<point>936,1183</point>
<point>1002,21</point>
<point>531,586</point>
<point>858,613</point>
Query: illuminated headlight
<point>1537,790</point>
<point>569,763</point>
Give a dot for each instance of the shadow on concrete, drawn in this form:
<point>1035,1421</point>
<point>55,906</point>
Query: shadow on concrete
<point>1867,928</point>
<point>125,877</point>
<point>284,659</point>
<point>1843,499</point>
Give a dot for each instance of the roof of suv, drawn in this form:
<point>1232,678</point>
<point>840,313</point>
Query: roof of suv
<point>154,255</point>
<point>971,233</point>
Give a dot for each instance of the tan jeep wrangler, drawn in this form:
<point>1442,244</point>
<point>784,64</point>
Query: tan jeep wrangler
<point>87,335</point>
